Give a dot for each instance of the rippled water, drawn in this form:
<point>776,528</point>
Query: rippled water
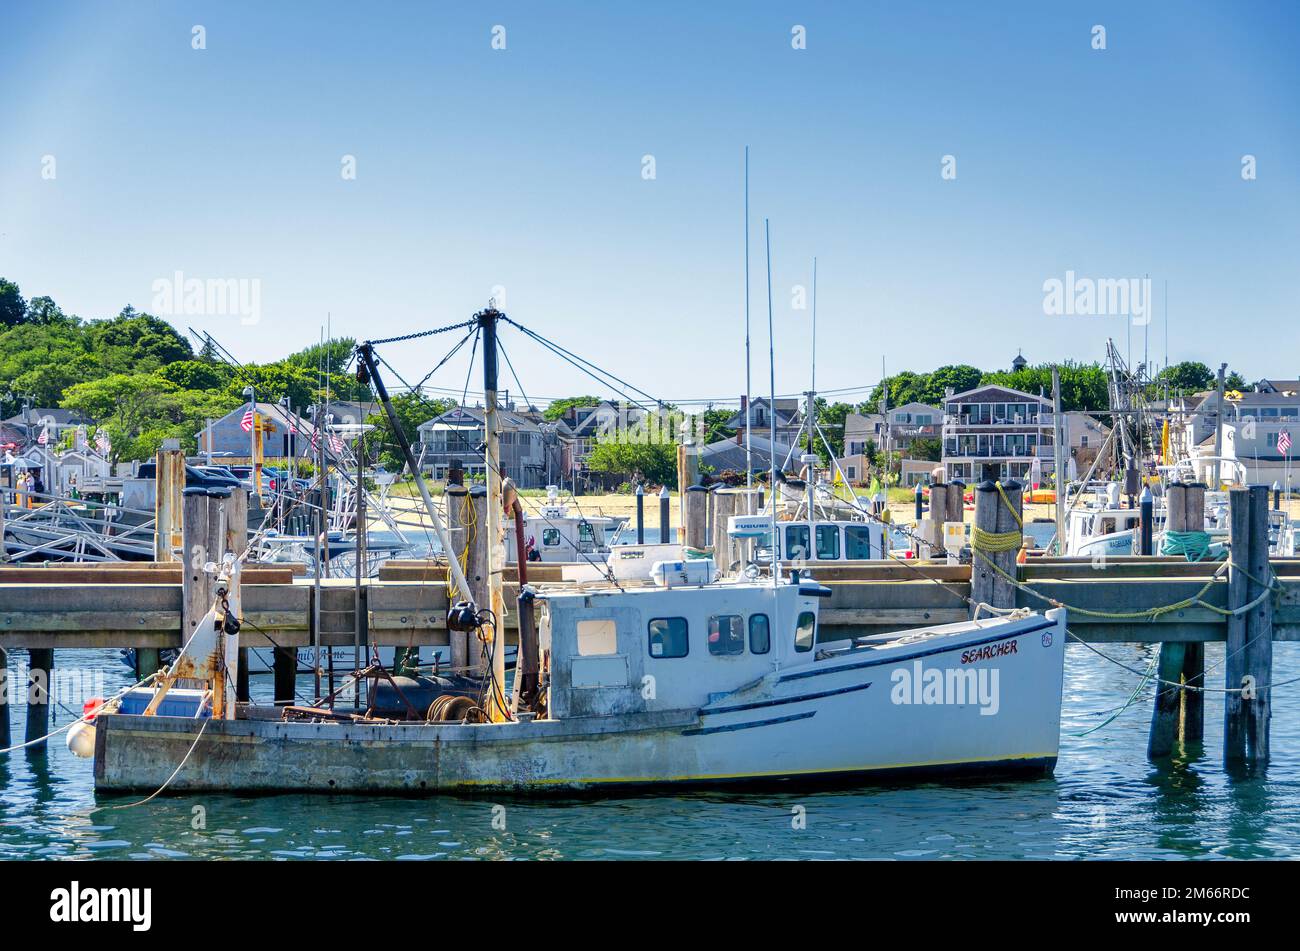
<point>1105,801</point>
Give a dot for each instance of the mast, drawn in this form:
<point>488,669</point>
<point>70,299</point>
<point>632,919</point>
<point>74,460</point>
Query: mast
<point>494,643</point>
<point>366,353</point>
<point>749,413</point>
<point>771,410</point>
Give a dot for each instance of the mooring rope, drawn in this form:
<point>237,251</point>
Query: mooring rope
<point>1194,546</point>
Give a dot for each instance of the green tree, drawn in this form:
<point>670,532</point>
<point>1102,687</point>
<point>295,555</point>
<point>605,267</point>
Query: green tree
<point>559,407</point>
<point>926,447</point>
<point>1189,376</point>
<point>655,462</point>
<point>13,309</point>
<point>136,343</point>
<point>198,374</point>
<point>715,427</point>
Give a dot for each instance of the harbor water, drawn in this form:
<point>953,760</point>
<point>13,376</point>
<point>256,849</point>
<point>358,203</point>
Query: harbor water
<point>1104,801</point>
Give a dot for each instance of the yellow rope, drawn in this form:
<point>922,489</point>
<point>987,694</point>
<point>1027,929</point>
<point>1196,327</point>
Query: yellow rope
<point>1014,514</point>
<point>994,542</point>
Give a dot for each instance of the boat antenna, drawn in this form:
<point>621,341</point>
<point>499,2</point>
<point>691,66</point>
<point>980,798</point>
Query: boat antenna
<point>749,413</point>
<point>771,410</point>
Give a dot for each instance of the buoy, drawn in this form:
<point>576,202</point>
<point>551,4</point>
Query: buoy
<point>81,740</point>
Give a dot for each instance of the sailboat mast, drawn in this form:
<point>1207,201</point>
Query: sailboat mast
<point>496,645</point>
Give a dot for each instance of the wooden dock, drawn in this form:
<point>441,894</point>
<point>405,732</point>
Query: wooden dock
<point>150,606</point>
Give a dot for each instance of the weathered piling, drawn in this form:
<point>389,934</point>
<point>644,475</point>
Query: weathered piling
<point>204,541</point>
<point>236,540</point>
<point>1146,532</point>
<point>1167,707</point>
<point>460,521</point>
<point>696,511</point>
<point>724,506</point>
<point>1193,673</point>
<point>1249,650</point>
<point>5,741</point>
<point>995,540</point>
<point>40,672</point>
<point>664,538</point>
<point>169,470</point>
<point>1178,714</point>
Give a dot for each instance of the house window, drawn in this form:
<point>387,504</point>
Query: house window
<point>597,637</point>
<point>1083,442</point>
<point>760,634</point>
<point>805,632</point>
<point>797,541</point>
<point>828,542</point>
<point>853,472</point>
<point>726,635</point>
<point>669,637</point>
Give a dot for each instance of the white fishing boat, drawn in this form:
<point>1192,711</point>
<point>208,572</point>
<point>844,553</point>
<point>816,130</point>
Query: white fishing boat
<point>648,686</point>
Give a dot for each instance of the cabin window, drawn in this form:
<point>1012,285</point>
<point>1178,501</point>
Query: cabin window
<point>668,637</point>
<point>585,533</point>
<point>760,634</point>
<point>726,635</point>
<point>805,632</point>
<point>550,537</point>
<point>828,542</point>
<point>796,541</point>
<point>597,637</point>
<point>857,541</point>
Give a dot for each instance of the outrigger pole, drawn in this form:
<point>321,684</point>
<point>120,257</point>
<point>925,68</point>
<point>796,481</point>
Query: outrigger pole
<point>367,355</point>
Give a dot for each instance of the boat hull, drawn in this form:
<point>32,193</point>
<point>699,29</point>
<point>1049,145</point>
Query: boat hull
<point>879,712</point>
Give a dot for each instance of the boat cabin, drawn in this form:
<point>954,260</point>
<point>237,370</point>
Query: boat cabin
<point>812,541</point>
<point>611,651</point>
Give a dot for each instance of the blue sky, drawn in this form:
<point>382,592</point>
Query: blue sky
<point>522,168</point>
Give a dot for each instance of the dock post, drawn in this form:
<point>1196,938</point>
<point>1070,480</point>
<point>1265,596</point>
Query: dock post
<point>724,506</point>
<point>697,515</point>
<point>664,538</point>
<point>40,672</point>
<point>920,505</point>
<point>1249,647</point>
<point>988,584</point>
<point>203,541</point>
<point>1147,509</point>
<point>459,521</point>
<point>285,669</point>
<point>640,515</point>
<point>1193,722</point>
<point>956,504</point>
<point>236,540</point>
<point>1165,712</point>
<point>169,469</point>
<point>5,741</point>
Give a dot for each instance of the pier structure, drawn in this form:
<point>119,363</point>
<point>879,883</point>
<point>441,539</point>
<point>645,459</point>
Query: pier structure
<point>1248,603</point>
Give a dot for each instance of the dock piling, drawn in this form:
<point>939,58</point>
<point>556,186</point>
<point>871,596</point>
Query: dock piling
<point>1249,650</point>
<point>40,670</point>
<point>724,506</point>
<point>459,522</point>
<point>5,741</point>
<point>697,515</point>
<point>993,517</point>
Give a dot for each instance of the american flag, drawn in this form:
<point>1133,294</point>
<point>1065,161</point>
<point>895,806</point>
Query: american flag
<point>44,437</point>
<point>246,424</point>
<point>102,443</point>
<point>1284,442</point>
